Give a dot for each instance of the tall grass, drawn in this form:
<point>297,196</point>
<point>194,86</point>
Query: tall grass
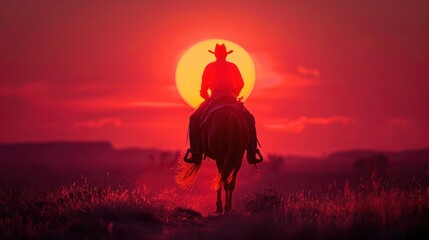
<point>370,209</point>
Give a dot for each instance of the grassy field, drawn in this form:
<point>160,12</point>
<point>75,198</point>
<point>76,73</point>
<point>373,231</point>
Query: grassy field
<point>359,209</point>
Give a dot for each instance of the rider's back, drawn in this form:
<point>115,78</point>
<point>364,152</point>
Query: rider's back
<point>222,76</point>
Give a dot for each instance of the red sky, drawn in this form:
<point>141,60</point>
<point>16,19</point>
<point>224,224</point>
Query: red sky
<point>330,74</point>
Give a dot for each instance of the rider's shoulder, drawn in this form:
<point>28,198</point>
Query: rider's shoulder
<point>211,64</point>
<point>231,64</point>
<point>221,63</point>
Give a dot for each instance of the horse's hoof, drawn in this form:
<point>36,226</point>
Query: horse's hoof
<point>219,211</point>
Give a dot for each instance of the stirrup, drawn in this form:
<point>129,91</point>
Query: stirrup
<point>261,158</point>
<point>253,159</point>
<point>185,158</point>
<point>192,159</point>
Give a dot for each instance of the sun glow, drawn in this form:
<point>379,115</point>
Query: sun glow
<point>191,65</point>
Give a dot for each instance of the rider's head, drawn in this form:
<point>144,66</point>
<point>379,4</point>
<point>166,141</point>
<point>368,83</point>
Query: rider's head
<point>220,52</point>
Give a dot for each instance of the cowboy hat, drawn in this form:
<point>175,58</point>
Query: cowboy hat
<point>220,50</point>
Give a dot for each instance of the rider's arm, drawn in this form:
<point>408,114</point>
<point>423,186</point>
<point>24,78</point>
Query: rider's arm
<point>205,83</point>
<point>238,81</point>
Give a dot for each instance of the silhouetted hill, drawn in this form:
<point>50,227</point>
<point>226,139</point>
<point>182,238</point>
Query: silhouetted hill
<point>63,161</point>
<point>350,155</point>
<point>77,155</point>
<point>102,156</point>
<point>58,155</point>
<point>413,159</point>
<point>410,158</point>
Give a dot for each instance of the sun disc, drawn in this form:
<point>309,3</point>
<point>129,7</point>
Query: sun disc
<point>191,65</point>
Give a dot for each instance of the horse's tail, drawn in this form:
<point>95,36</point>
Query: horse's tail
<point>235,142</point>
<point>186,174</point>
<point>226,174</point>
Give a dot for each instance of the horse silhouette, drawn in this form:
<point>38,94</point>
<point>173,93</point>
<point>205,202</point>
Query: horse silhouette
<point>226,138</point>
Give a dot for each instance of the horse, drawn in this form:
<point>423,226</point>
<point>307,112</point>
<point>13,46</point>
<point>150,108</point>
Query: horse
<point>226,138</point>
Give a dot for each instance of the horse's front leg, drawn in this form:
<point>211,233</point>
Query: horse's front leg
<point>219,208</point>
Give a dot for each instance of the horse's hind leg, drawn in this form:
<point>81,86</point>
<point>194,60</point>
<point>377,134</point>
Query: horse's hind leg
<point>227,198</point>
<point>219,208</point>
<point>229,188</point>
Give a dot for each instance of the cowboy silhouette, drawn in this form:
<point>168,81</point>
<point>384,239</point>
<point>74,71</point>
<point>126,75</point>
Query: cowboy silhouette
<point>224,80</point>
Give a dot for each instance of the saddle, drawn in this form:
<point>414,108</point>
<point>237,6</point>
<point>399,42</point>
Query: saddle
<point>214,105</point>
<point>219,103</point>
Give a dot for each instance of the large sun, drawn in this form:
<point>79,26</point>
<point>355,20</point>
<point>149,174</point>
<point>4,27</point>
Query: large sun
<point>192,63</point>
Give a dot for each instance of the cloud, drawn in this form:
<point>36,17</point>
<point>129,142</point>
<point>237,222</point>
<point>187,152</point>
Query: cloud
<point>397,122</point>
<point>267,76</point>
<point>150,104</point>
<point>393,126</point>
<point>275,75</point>
<point>103,104</point>
<point>115,122</point>
<point>312,72</point>
<point>277,81</point>
<point>31,90</point>
<point>299,124</point>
